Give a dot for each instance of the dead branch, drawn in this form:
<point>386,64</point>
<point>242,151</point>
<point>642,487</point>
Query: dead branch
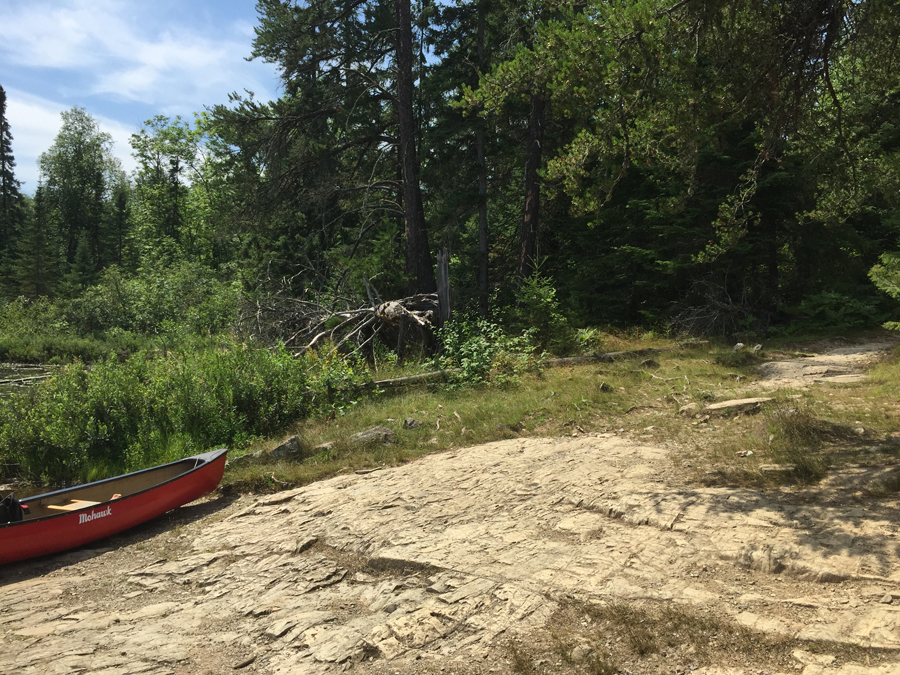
<point>306,322</point>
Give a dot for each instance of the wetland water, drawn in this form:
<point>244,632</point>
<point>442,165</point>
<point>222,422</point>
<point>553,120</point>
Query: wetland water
<point>16,376</point>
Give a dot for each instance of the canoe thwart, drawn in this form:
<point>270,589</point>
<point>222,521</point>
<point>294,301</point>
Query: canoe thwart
<point>72,505</point>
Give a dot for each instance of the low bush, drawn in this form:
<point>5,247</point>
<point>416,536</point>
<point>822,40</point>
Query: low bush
<point>151,408</point>
<point>185,294</point>
<point>797,437</point>
<point>481,352</point>
<point>537,316</point>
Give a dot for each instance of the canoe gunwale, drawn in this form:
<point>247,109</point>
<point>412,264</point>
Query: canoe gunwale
<point>200,461</point>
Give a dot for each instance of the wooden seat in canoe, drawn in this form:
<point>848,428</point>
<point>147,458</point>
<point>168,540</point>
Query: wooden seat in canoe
<point>72,505</point>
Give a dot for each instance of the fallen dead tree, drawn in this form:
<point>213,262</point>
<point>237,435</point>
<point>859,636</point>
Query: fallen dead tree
<point>309,322</point>
<point>418,310</point>
<point>609,357</point>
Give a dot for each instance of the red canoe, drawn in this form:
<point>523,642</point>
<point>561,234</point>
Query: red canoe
<point>64,519</point>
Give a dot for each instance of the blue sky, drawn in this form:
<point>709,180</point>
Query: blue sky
<point>123,61</point>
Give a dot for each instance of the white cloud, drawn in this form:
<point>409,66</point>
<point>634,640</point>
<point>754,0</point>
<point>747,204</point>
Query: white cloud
<point>123,61</point>
<point>35,122</point>
<point>127,51</point>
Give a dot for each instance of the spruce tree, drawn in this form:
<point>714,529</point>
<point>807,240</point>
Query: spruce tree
<point>11,201</point>
<point>37,256</point>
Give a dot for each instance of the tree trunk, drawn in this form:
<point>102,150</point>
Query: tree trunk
<point>529,230</point>
<point>482,186</point>
<point>770,228</point>
<point>419,267</point>
<point>443,282</point>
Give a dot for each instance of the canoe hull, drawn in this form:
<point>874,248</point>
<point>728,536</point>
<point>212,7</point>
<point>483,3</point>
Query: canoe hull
<point>42,536</point>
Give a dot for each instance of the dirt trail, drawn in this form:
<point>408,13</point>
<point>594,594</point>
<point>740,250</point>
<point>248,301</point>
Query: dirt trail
<point>439,565</point>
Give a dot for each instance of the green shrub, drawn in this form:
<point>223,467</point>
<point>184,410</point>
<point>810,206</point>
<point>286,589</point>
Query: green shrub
<point>536,315</point>
<point>589,340</point>
<point>185,294</point>
<point>37,331</point>
<point>835,311</point>
<point>119,416</point>
<point>482,352</point>
<point>886,276</point>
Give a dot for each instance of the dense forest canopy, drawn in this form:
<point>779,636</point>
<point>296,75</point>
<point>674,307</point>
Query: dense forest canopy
<point>711,166</point>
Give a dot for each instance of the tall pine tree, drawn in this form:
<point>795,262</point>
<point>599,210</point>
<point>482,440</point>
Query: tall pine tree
<point>11,202</point>
<point>37,253</point>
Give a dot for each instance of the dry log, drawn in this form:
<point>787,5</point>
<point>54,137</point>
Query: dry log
<point>24,380</point>
<point>435,375</point>
<point>609,357</point>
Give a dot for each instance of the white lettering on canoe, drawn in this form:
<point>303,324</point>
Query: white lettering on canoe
<point>88,517</point>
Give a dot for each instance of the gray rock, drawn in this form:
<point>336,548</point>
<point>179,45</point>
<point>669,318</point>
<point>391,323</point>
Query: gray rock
<point>240,461</point>
<point>811,659</point>
<point>581,652</point>
<point>739,405</point>
<point>689,409</point>
<point>289,450</point>
<point>457,544</point>
<point>411,423</point>
<point>372,436</point>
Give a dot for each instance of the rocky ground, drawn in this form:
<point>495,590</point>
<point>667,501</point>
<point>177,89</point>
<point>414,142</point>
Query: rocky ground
<point>526,555</point>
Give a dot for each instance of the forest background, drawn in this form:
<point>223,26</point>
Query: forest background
<point>706,167</point>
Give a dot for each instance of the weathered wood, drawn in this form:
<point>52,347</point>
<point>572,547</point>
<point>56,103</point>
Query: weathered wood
<point>422,309</point>
<point>741,405</point>
<point>443,282</point>
<point>435,375</point>
<point>23,380</point>
<point>410,380</point>
<point>609,357</point>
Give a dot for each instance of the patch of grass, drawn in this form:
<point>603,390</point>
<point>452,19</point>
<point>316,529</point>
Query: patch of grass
<point>520,660</point>
<point>886,485</point>
<point>811,431</point>
<point>561,401</point>
<point>742,358</point>
<point>623,636</point>
<point>796,438</point>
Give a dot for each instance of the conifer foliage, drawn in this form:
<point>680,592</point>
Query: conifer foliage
<point>716,166</point>
<point>11,201</point>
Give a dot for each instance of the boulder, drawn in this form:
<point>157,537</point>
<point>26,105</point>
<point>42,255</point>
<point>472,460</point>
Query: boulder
<point>373,435</point>
<point>689,409</point>
<point>289,450</point>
